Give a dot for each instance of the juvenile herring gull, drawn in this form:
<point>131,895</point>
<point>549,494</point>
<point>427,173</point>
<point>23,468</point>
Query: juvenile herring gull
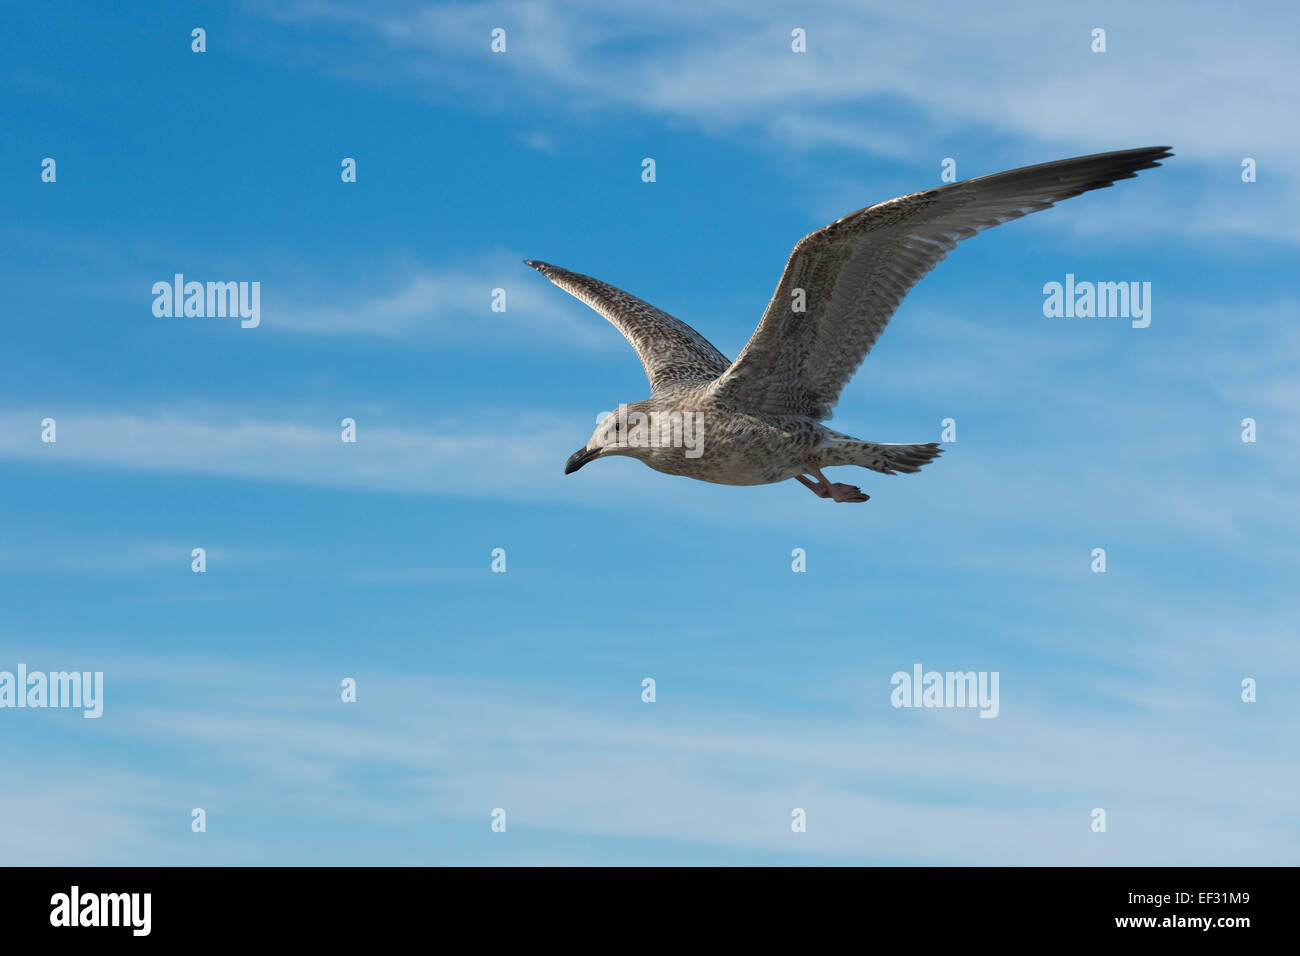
<point>758,419</point>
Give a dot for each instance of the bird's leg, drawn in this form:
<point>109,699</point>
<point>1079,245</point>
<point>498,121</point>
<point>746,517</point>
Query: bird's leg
<point>834,490</point>
<point>818,489</point>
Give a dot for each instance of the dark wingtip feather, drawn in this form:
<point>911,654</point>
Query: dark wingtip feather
<point>1125,164</point>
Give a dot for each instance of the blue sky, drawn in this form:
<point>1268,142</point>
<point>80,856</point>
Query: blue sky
<point>523,690</point>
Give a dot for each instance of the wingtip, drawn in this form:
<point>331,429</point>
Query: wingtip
<point>1151,159</point>
<point>1151,155</point>
<point>1113,167</point>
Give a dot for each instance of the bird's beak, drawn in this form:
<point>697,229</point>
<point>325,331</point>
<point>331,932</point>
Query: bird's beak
<point>578,459</point>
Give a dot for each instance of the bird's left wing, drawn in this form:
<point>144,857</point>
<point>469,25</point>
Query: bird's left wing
<point>670,350</point>
<point>854,273</point>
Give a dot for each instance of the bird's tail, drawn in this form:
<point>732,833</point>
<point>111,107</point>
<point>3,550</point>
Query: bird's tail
<point>886,459</point>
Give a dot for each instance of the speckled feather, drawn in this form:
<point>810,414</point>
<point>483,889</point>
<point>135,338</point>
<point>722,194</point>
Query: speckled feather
<point>763,412</point>
<point>670,350</point>
<point>857,270</point>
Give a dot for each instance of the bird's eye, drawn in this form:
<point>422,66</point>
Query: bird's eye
<point>617,426</point>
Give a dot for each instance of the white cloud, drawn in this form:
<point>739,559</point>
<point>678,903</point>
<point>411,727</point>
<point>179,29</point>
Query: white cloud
<point>1127,447</point>
<point>445,305</point>
<point>516,454</point>
<point>915,786</point>
<point>891,79</point>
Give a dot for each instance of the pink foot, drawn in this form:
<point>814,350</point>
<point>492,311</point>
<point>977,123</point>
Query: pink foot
<point>841,492</point>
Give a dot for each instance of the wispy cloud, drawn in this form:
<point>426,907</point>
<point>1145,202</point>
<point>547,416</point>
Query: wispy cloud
<point>452,458</point>
<point>875,786</point>
<point>447,305</point>
<point>943,72</point>
<point>1144,469</point>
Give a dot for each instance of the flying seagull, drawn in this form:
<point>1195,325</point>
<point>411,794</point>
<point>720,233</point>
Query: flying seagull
<point>757,420</point>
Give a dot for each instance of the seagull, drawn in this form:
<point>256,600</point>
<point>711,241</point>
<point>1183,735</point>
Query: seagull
<point>758,420</point>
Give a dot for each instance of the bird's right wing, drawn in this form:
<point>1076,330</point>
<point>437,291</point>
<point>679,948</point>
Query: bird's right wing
<point>854,273</point>
<point>671,351</point>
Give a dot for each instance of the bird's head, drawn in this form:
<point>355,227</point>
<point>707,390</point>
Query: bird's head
<point>615,435</point>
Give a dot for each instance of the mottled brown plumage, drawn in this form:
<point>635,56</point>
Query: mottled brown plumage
<point>762,413</point>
